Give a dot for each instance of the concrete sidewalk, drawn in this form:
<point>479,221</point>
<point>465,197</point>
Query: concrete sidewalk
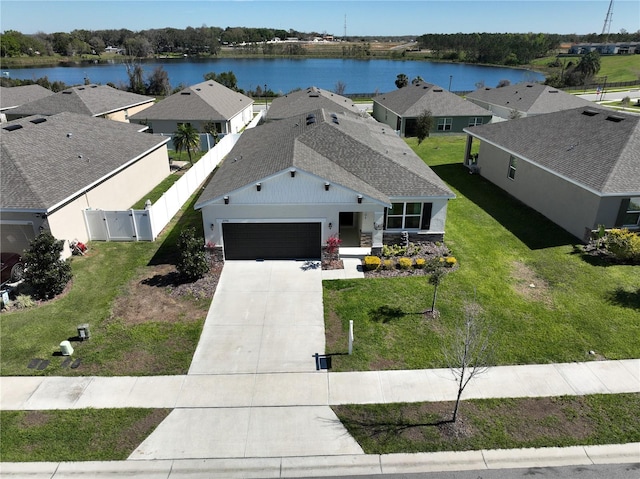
<point>318,388</point>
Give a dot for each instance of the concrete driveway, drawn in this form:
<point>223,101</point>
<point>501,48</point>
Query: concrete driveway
<point>266,317</point>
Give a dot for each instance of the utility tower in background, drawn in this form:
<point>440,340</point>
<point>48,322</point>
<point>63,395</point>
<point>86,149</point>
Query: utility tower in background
<point>345,27</point>
<point>607,22</point>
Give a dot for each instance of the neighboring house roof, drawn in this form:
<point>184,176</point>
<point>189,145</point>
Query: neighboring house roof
<point>309,99</point>
<point>411,101</point>
<point>356,153</point>
<point>531,98</point>
<point>594,147</point>
<point>206,101</point>
<point>12,97</point>
<point>47,160</point>
<point>92,100</point>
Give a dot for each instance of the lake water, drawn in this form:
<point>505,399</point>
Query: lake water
<point>282,75</point>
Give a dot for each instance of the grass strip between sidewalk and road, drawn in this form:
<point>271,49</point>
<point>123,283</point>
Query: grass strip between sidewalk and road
<point>75,435</point>
<point>494,423</point>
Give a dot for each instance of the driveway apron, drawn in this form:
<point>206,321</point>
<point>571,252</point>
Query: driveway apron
<point>264,325</point>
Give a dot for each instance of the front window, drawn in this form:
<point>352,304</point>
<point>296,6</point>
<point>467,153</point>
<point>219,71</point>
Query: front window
<point>444,124</point>
<point>475,120</point>
<point>408,216</point>
<point>513,163</point>
<point>632,216</point>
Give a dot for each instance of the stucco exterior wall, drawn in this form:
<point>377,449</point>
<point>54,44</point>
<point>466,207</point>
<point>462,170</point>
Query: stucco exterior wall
<point>124,114</point>
<point>233,125</point>
<point>303,198</point>
<point>566,204</point>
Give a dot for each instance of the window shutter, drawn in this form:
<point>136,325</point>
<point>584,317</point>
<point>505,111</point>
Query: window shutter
<point>624,206</point>
<point>426,216</point>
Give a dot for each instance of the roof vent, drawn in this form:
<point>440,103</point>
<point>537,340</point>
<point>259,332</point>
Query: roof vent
<point>94,86</point>
<point>615,118</point>
<point>438,89</point>
<point>185,93</point>
<point>310,116</point>
<point>198,89</point>
<point>311,121</point>
<point>487,88</point>
<point>81,88</point>
<point>335,120</point>
<point>553,91</point>
<point>589,112</point>
<point>66,92</point>
<point>12,127</point>
<point>529,86</point>
<point>35,121</point>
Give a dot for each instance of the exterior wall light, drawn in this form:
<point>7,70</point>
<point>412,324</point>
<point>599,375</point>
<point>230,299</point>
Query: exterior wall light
<point>326,186</point>
<point>359,198</point>
<point>258,186</point>
<point>293,173</point>
<point>226,200</point>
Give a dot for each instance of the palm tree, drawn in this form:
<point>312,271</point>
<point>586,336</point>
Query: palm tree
<point>402,80</point>
<point>589,65</point>
<point>187,138</point>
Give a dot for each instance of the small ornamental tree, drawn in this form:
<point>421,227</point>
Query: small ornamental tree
<point>333,246</point>
<point>192,258</point>
<point>46,272</point>
<point>424,125</point>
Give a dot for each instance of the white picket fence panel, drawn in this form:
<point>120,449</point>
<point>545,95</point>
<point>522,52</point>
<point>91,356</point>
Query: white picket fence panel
<point>146,225</point>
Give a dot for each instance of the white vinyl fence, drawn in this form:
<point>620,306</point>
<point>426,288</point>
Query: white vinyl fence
<point>146,225</point>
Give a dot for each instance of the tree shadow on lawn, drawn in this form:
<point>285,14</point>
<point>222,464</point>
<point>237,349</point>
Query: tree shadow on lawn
<point>627,299</point>
<point>529,226</point>
<point>386,314</point>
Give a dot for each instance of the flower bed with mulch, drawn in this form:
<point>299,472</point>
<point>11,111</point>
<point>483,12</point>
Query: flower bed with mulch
<point>416,259</point>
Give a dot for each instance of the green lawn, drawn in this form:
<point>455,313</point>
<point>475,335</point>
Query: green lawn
<point>502,247</point>
<point>117,346</point>
<point>616,68</point>
<point>75,435</point>
<point>494,424</point>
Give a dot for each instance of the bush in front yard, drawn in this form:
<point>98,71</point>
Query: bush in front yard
<point>192,258</point>
<point>420,263</point>
<point>371,263</point>
<point>624,244</point>
<point>46,273</point>
<point>405,263</point>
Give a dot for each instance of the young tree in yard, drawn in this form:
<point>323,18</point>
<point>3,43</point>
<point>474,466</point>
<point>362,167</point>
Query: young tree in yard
<point>186,137</point>
<point>192,261</point>
<point>469,353</point>
<point>46,272</point>
<point>435,278</point>
<point>159,82</point>
<point>340,88</point>
<point>424,125</point>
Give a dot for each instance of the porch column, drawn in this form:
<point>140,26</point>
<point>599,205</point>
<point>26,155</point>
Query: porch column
<point>378,229</point>
<point>467,150</point>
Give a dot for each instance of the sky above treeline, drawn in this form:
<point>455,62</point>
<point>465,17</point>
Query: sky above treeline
<point>334,17</point>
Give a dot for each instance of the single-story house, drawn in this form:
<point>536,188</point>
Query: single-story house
<point>401,108</point>
<point>312,98</point>
<point>289,185</point>
<point>91,100</point>
<point>54,167</point>
<point>13,97</point>
<point>580,168</point>
<point>525,99</point>
<point>199,105</point>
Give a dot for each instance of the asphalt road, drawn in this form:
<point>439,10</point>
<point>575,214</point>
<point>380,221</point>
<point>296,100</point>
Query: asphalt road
<point>608,471</point>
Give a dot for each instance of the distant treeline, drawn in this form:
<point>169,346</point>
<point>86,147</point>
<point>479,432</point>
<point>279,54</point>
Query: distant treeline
<point>494,48</point>
<point>507,48</point>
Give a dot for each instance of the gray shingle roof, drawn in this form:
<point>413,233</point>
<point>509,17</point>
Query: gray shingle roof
<point>206,101</point>
<point>532,98</point>
<point>354,152</point>
<point>309,99</point>
<point>92,100</point>
<point>594,147</point>
<point>53,158</point>
<point>413,99</point>
<point>19,95</point>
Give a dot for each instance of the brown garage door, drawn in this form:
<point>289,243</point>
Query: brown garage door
<point>271,240</point>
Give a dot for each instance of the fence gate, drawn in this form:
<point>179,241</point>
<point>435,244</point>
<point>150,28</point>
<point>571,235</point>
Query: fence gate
<point>130,225</point>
